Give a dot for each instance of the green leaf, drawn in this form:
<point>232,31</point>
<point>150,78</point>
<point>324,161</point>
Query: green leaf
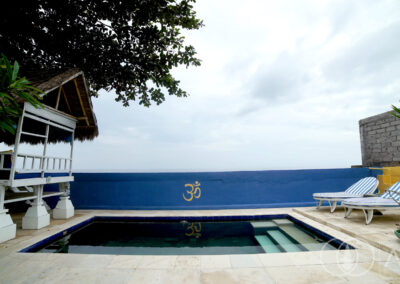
<point>12,90</point>
<point>8,68</point>
<point>394,114</point>
<point>4,95</point>
<point>15,71</point>
<point>7,127</point>
<point>396,110</point>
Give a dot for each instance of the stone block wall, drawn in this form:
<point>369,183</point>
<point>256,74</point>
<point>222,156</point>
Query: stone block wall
<point>380,140</point>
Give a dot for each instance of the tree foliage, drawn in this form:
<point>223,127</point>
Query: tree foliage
<point>127,45</point>
<point>396,112</point>
<point>13,91</point>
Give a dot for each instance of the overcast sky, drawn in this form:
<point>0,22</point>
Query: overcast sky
<point>282,85</point>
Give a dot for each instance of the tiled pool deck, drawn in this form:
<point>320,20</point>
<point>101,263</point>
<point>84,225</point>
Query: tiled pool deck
<point>370,262</point>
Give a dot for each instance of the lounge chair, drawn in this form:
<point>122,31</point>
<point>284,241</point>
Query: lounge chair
<point>390,199</point>
<point>364,186</point>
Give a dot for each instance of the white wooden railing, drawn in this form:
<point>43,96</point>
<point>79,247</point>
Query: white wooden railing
<point>42,163</point>
<point>2,161</point>
<point>45,163</point>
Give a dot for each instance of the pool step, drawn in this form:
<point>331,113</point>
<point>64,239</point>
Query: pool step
<point>260,227</point>
<point>305,239</point>
<point>280,235</point>
<point>286,243</point>
<point>267,244</point>
<point>281,222</point>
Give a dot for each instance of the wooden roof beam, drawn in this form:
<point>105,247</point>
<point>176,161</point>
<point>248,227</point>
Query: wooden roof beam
<point>66,100</point>
<point>58,97</point>
<point>80,101</point>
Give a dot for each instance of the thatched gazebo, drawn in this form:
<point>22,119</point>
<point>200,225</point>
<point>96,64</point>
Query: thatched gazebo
<point>66,91</point>
<point>67,115</point>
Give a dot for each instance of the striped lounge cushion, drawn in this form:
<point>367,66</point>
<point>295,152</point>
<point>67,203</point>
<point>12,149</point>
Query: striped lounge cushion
<point>363,186</point>
<point>393,192</point>
<point>370,202</point>
<point>334,195</point>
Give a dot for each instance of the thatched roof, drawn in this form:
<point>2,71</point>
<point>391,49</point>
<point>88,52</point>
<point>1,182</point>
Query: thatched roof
<point>66,90</point>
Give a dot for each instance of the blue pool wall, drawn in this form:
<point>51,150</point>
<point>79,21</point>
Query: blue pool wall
<point>219,190</point>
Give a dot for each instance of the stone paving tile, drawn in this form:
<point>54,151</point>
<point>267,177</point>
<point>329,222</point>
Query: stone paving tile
<point>303,274</point>
<point>275,259</point>
<point>239,276</point>
<point>363,273</point>
<point>182,275</point>
<point>96,261</point>
<point>149,276</point>
<point>187,261</point>
<point>24,271</point>
<point>382,269</point>
<point>12,260</point>
<point>67,276</point>
<point>242,261</point>
<point>389,268</point>
<point>157,262</point>
<point>215,261</point>
<point>114,275</point>
<point>252,276</point>
<point>70,260</point>
<point>218,276</point>
<point>125,261</point>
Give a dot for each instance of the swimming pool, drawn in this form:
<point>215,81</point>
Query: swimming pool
<point>189,236</point>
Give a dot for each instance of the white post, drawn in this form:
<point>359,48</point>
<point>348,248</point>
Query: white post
<point>64,208</point>
<point>37,216</point>
<point>46,140</point>
<point>8,229</point>
<point>42,162</point>
<point>72,152</point>
<point>16,145</point>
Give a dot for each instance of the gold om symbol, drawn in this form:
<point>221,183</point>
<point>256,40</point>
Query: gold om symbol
<point>194,191</point>
<point>195,230</point>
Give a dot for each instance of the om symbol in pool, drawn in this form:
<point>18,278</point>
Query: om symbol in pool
<point>193,192</point>
<point>194,230</point>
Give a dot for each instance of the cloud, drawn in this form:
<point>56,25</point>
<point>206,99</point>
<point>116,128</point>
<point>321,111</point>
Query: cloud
<point>370,61</point>
<point>282,85</point>
<point>280,81</point>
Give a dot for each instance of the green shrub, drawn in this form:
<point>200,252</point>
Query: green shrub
<point>13,91</point>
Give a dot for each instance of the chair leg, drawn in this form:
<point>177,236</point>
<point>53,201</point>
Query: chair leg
<point>347,212</point>
<point>369,214</point>
<point>333,206</point>
<point>319,203</point>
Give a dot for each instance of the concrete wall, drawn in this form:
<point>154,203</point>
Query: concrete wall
<point>214,190</point>
<point>380,140</point>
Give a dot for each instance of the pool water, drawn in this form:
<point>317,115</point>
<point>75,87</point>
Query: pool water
<point>189,236</point>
